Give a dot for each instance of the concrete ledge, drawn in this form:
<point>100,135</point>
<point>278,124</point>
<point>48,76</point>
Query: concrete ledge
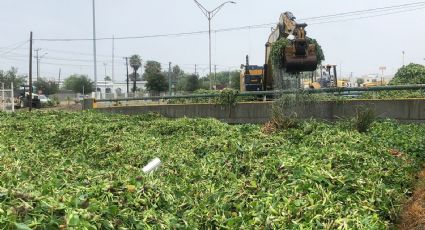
<point>405,110</point>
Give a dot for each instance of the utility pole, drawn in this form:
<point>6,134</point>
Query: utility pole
<point>59,77</point>
<point>104,79</point>
<point>134,82</point>
<point>94,48</point>
<point>3,102</point>
<point>126,63</point>
<point>30,76</point>
<point>105,64</point>
<point>38,58</point>
<point>169,78</point>
<point>210,15</point>
<point>215,77</point>
<point>382,69</point>
<point>113,59</point>
<point>340,69</point>
<point>230,80</point>
<point>37,62</point>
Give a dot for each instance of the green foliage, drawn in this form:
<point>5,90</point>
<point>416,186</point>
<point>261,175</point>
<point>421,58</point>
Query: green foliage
<point>228,97</point>
<point>192,83</point>
<point>223,79</point>
<point>319,51</point>
<point>47,87</point>
<point>410,74</point>
<point>157,83</point>
<point>236,80</point>
<point>131,77</point>
<point>55,100</point>
<point>79,84</point>
<point>277,52</point>
<point>363,119</point>
<point>360,81</point>
<point>151,68</point>
<point>72,171</point>
<point>12,76</point>
<point>394,94</point>
<point>135,62</point>
<point>283,109</point>
<point>177,73</point>
<point>108,78</point>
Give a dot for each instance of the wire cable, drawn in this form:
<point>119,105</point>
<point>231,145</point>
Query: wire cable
<point>406,8</point>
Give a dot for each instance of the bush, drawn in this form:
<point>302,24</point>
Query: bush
<point>228,97</point>
<point>363,119</point>
<point>410,74</point>
<point>283,114</point>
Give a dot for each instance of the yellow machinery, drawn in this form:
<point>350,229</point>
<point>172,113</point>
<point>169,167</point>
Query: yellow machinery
<point>298,55</point>
<point>251,77</point>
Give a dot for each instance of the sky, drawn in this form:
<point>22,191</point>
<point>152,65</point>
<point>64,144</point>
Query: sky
<point>358,47</point>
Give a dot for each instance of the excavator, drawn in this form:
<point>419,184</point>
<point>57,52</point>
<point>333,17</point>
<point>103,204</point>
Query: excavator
<point>298,56</point>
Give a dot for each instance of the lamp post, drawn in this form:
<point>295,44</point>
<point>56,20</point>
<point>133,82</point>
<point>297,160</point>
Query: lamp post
<point>105,64</point>
<point>210,15</point>
<point>38,59</point>
<point>94,49</point>
<point>2,97</point>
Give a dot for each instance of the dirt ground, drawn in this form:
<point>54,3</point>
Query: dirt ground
<point>63,106</point>
<point>413,214</point>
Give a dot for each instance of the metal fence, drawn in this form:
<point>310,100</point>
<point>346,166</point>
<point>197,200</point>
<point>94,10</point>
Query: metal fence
<point>7,103</point>
<point>355,91</point>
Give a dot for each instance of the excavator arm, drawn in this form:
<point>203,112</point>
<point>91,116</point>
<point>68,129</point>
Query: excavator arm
<point>298,56</point>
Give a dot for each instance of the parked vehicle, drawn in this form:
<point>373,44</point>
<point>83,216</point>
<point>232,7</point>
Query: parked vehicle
<point>43,99</point>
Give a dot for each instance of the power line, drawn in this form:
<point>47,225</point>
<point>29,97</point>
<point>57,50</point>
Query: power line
<point>409,6</point>
<point>370,16</point>
<point>79,53</point>
<point>374,10</point>
<point>19,45</point>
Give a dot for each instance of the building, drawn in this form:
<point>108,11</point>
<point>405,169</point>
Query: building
<point>371,80</point>
<point>118,87</point>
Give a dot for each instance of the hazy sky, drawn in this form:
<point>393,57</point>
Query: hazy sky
<point>361,46</point>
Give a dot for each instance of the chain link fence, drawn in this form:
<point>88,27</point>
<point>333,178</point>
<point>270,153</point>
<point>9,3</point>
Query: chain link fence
<point>7,102</point>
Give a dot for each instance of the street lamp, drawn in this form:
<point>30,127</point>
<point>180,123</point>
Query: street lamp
<point>94,49</point>
<point>105,64</point>
<point>210,15</point>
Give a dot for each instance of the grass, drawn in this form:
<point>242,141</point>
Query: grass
<point>83,171</point>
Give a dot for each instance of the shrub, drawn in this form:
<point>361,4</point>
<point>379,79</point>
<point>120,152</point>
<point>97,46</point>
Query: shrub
<point>363,119</point>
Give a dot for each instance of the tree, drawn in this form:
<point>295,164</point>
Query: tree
<point>12,76</point>
<point>79,84</point>
<point>135,63</point>
<point>410,74</point>
<point>177,73</point>
<point>360,81</point>
<point>224,78</point>
<point>157,83</point>
<point>131,77</point>
<point>151,68</point>
<point>192,83</point>
<point>47,87</point>
<point>235,77</point>
<point>108,78</point>
<point>204,83</point>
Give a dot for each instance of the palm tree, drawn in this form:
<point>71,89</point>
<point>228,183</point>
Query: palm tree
<point>135,63</point>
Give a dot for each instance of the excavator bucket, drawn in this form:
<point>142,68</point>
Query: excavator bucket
<point>300,57</point>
